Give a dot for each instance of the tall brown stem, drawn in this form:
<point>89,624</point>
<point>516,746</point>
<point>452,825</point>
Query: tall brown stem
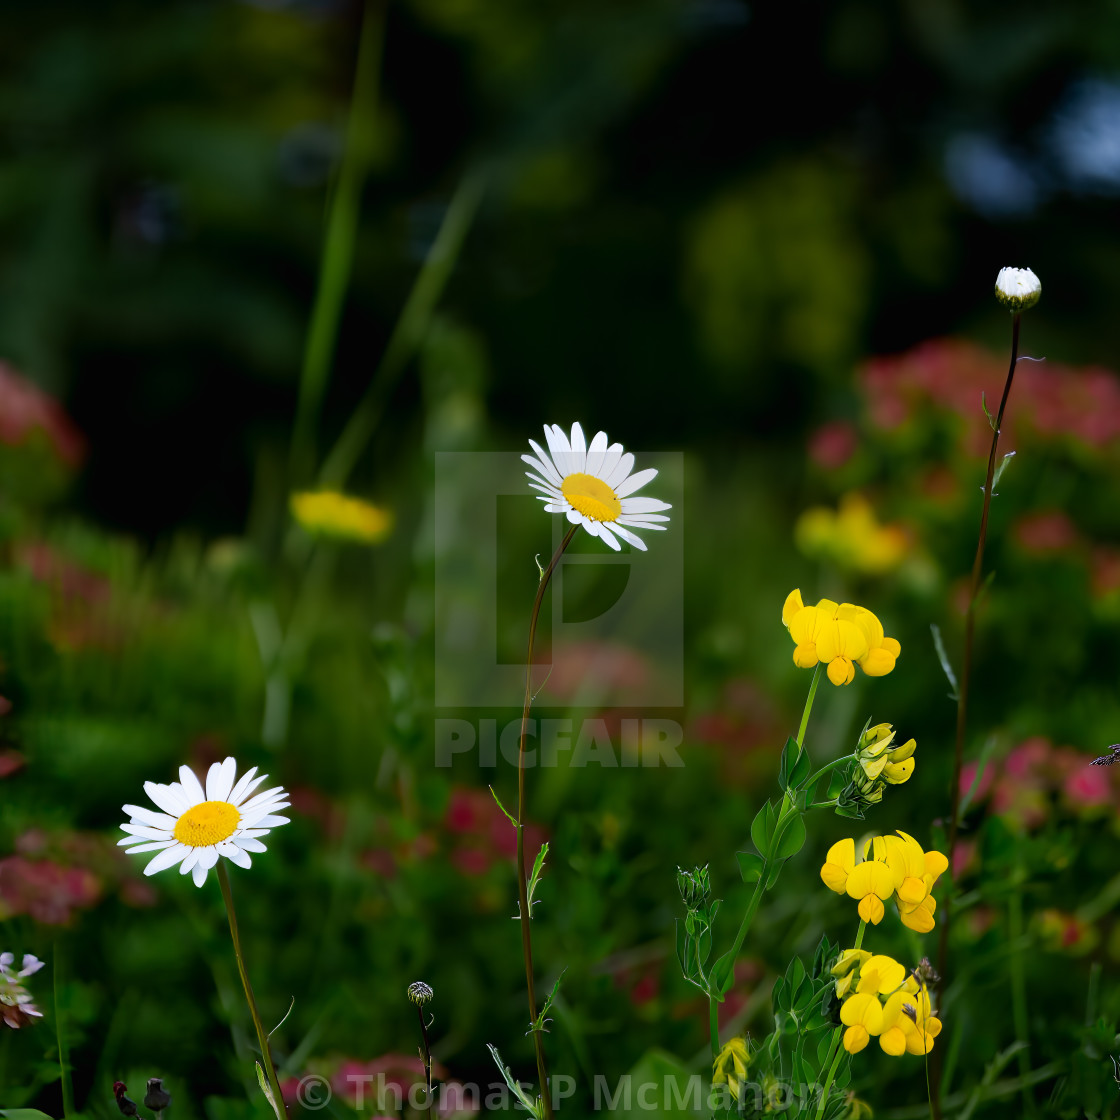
<point>522,883</point>
<point>962,692</point>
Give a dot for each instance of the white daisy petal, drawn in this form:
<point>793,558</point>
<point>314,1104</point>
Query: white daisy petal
<point>626,535</point>
<point>610,460</point>
<point>151,846</point>
<point>552,507</point>
<point>635,481</point>
<point>248,844</point>
<point>193,856</point>
<point>638,523</point>
<point>199,874</point>
<point>249,834</point>
<point>544,488</point>
<point>146,816</point>
<point>643,505</point>
<point>596,452</point>
<point>232,852</point>
<point>219,781</point>
<point>166,798</point>
<point>167,858</point>
<point>208,857</point>
<point>579,449</point>
<point>592,527</point>
<point>144,832</point>
<point>238,790</point>
<point>270,822</point>
<point>620,473</point>
<point>253,820</point>
<point>575,517</point>
<point>606,535</point>
<point>239,795</point>
<point>191,785</point>
<point>558,447</point>
<point>261,798</point>
<point>546,462</point>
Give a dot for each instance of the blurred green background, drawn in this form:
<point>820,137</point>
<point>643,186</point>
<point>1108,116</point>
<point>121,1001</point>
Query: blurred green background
<point>764,235</point>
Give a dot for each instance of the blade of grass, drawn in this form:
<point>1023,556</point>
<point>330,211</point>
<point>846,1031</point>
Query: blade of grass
<point>337,258</point>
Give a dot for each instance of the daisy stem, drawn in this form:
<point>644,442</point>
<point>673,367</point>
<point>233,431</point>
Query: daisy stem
<point>262,1037</point>
<point>522,881</point>
<point>427,1056</point>
<point>962,692</point>
<point>60,1034</point>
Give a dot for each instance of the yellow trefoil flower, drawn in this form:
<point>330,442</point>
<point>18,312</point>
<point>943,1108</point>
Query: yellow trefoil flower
<point>880,759</point>
<point>331,514</point>
<point>840,635</point>
<point>915,874</point>
<point>871,882</point>
<point>880,999</point>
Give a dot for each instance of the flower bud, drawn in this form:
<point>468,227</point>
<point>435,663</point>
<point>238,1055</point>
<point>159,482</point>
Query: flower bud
<point>1018,289</point>
<point>695,887</point>
<point>420,993</point>
<point>876,739</point>
<point>157,1098</point>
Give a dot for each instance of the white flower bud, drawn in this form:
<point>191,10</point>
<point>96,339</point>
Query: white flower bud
<point>1017,288</point>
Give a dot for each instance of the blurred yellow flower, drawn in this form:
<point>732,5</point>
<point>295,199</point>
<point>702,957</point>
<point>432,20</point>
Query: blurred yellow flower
<point>851,537</point>
<point>841,636</point>
<point>330,514</point>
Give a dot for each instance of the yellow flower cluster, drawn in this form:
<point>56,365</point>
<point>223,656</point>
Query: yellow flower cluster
<point>841,635</point>
<point>730,1066</point>
<point>880,999</point>
<point>881,762</point>
<point>851,537</point>
<point>328,513</point>
<point>892,867</point>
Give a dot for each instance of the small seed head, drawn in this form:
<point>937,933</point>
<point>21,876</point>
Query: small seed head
<point>420,993</point>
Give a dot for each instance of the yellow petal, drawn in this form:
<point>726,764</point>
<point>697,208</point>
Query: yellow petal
<point>936,864</point>
<point>892,647</point>
<point>863,1009</point>
<point>843,853</point>
<point>805,656</point>
<point>834,877</point>
<point>791,606</point>
<point>805,625</point>
<point>890,973</point>
<point>841,638</point>
<point>876,662</point>
<point>900,754</point>
<point>871,909</point>
<point>840,671</point>
<point>920,919</point>
<point>828,608</point>
<point>855,1039</point>
<point>871,878</point>
<point>893,1042</point>
<point>898,772</point>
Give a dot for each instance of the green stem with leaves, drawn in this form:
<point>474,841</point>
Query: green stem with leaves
<point>1019,1015</point>
<point>250,999</point>
<point>522,881</point>
<point>962,692</point>
<point>835,1051</point>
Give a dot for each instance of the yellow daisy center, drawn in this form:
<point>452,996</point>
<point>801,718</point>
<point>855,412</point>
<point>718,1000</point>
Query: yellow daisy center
<point>591,496</point>
<point>207,824</point>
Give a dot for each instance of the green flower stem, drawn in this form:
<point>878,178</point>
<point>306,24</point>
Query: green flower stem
<point>962,701</point>
<point>262,1037</point>
<point>832,1059</point>
<point>337,259</point>
<point>60,1034</point>
<point>809,704</point>
<point>1019,991</point>
<point>830,1078</point>
<point>827,769</point>
<point>713,1025</point>
<point>859,935</point>
<point>522,882</point>
<point>427,1055</point>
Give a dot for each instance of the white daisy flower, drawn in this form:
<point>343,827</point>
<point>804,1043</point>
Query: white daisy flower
<point>198,825</point>
<point>592,484</point>
<point>1018,288</point>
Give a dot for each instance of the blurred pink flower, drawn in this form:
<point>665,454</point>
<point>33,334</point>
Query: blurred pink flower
<point>598,667</point>
<point>44,890</point>
<point>833,444</point>
<point>964,856</point>
<point>968,777</point>
<point>10,762</point>
<point>1027,759</point>
<point>1088,787</point>
<point>25,409</point>
<point>1047,531</point>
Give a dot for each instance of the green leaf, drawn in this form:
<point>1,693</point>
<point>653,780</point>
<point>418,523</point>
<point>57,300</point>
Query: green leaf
<point>943,657</point>
<point>513,1085</point>
<point>775,871</point>
<point>750,866</point>
<point>1004,463</point>
<point>722,976</point>
<point>792,839</point>
<point>497,800</point>
<point>539,1025</point>
<point>535,876</point>
<point>779,997</point>
<point>984,406</point>
<point>262,1081</point>
<point>762,827</point>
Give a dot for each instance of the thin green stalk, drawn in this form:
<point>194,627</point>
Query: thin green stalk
<point>809,704</point>
<point>250,999</point>
<point>713,1025</point>
<point>1019,1015</point>
<point>836,1036</point>
<point>409,331</point>
<point>829,1079</point>
<point>962,692</point>
<point>60,1034</point>
<point>336,263</point>
<point>827,769</point>
<point>427,1054</point>
<point>522,881</point>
